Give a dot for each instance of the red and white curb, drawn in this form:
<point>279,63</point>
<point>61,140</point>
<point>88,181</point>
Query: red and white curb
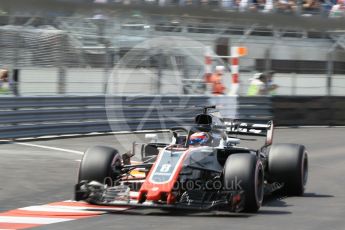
<point>57,212</point>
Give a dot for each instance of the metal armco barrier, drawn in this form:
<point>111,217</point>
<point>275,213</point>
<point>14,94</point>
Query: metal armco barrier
<point>43,116</point>
<point>308,110</point>
<point>227,105</point>
<point>258,108</point>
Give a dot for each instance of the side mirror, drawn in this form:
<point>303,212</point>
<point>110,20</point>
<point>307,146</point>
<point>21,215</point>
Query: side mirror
<point>232,141</point>
<point>269,135</point>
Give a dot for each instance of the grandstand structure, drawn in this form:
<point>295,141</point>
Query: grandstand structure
<point>300,8</point>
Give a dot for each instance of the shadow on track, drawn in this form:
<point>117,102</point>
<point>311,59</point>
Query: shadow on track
<point>315,195</point>
<point>181,213</point>
<point>277,200</point>
<point>197,214</point>
<point>272,200</point>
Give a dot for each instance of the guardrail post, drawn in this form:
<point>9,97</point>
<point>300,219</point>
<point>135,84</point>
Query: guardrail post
<point>159,71</point>
<point>268,64</point>
<point>61,65</point>
<point>329,72</point>
<point>61,80</point>
<point>101,26</point>
<point>106,66</point>
<point>293,84</point>
<point>13,71</point>
<point>15,81</point>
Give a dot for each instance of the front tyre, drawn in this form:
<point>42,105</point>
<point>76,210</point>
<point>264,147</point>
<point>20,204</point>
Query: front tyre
<point>288,164</point>
<point>99,164</point>
<point>244,172</point>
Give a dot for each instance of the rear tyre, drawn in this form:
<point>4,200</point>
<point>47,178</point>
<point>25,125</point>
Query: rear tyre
<point>99,163</point>
<point>245,172</point>
<point>288,164</point>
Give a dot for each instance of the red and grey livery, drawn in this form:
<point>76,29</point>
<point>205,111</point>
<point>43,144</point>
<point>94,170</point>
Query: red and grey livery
<point>214,174</point>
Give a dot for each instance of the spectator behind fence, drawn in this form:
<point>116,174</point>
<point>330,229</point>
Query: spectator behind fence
<point>261,84</point>
<point>311,7</point>
<point>257,85</point>
<point>4,82</point>
<point>269,6</point>
<point>227,4</point>
<point>215,80</point>
<point>271,87</point>
<point>264,6</point>
<point>241,5</point>
<point>244,5</point>
<point>338,10</point>
<point>305,7</point>
<point>286,6</point>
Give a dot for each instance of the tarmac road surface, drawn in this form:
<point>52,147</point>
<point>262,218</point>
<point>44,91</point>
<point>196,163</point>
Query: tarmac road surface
<point>45,171</point>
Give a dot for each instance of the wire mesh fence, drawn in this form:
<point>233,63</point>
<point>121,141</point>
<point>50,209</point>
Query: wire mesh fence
<point>88,56</point>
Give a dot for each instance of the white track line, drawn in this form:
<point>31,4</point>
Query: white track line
<point>50,148</point>
<point>60,149</point>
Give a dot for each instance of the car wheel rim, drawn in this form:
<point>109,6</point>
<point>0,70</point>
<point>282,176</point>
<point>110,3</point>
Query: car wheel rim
<point>305,170</point>
<point>259,184</point>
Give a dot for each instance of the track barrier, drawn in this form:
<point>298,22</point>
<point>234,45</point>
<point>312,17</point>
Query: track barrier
<point>22,117</point>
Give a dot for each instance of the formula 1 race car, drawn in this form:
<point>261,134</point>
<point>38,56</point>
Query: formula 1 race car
<point>202,168</point>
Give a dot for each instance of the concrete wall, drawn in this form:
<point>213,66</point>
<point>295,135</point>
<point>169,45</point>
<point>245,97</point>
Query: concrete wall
<point>144,81</point>
<point>301,84</point>
<point>84,81</point>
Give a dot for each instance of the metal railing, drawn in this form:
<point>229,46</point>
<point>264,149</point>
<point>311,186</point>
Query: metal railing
<point>41,116</point>
<point>22,117</point>
<point>311,110</point>
<point>259,108</point>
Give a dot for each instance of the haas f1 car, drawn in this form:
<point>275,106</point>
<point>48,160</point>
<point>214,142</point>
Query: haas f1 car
<point>203,168</point>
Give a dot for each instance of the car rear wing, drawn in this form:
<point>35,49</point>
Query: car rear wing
<point>250,127</point>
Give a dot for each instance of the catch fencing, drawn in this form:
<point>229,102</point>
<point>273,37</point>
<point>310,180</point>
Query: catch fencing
<point>78,55</point>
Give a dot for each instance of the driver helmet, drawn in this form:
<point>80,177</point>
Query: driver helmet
<point>199,138</point>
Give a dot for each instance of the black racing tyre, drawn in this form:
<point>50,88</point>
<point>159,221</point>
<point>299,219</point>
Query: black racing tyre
<point>98,164</point>
<point>246,171</point>
<point>288,164</point>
